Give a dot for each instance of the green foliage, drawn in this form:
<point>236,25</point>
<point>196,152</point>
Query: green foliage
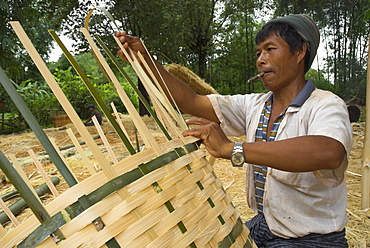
<point>39,98</point>
<point>36,17</point>
<point>320,81</point>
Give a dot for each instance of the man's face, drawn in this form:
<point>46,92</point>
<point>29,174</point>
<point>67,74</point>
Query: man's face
<point>91,109</point>
<point>280,65</point>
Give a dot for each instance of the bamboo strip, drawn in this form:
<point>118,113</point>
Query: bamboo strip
<point>23,175</point>
<point>83,156</point>
<point>104,139</point>
<point>51,186</point>
<point>365,179</point>
<point>9,213</point>
<point>119,121</point>
<point>139,123</point>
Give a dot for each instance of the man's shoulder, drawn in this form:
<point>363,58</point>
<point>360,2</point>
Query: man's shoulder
<point>324,95</point>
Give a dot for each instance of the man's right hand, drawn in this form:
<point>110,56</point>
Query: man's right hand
<point>132,42</point>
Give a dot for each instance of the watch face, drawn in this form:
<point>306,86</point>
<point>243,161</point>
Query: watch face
<point>237,158</point>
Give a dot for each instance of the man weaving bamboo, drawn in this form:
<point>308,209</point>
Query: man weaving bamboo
<point>298,138</point>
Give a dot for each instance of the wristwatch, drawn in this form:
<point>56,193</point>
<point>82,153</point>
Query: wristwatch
<point>237,156</point>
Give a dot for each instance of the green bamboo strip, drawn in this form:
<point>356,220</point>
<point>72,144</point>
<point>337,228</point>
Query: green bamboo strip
<point>43,231</point>
<point>137,91</point>
<point>20,204</point>
<point>25,192</point>
<point>93,92</point>
<point>139,123</point>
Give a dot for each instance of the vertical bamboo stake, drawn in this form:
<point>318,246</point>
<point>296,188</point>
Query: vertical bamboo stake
<point>51,186</point>
<point>104,139</point>
<point>9,213</point>
<point>365,203</point>
<point>85,159</point>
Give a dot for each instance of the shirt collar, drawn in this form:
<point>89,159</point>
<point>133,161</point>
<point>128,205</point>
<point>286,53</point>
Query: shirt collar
<point>302,96</point>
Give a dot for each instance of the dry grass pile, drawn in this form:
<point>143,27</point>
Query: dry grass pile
<point>190,78</point>
<point>358,228</point>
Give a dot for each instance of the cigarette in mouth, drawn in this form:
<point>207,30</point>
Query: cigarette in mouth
<point>259,75</point>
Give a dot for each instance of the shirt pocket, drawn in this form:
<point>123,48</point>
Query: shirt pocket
<point>293,179</point>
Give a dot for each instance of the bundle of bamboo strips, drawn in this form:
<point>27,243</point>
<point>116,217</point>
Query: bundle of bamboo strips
<point>164,196</point>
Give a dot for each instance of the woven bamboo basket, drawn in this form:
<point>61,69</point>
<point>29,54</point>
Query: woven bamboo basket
<point>174,200</point>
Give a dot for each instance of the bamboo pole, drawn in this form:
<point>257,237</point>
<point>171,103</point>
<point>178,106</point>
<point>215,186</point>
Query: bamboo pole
<point>94,93</point>
<point>365,179</point>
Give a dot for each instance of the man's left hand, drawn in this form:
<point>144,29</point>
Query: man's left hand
<point>212,136</point>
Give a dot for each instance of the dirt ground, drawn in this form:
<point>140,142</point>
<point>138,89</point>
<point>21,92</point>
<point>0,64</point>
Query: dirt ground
<point>358,228</point>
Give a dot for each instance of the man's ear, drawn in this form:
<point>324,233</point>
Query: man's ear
<point>301,53</point>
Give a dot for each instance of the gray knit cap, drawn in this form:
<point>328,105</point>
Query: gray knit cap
<point>307,29</point>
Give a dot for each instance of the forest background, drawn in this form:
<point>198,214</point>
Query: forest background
<point>213,38</point>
